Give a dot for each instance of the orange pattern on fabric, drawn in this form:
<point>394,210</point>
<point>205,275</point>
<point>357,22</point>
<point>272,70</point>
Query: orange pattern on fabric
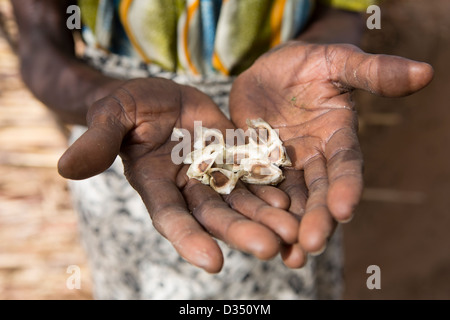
<point>123,11</point>
<point>190,12</point>
<point>276,19</point>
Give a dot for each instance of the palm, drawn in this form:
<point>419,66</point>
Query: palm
<point>294,95</point>
<point>136,121</point>
<point>304,92</point>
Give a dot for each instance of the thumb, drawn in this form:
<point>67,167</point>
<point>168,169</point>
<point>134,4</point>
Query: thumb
<point>96,150</point>
<point>385,75</point>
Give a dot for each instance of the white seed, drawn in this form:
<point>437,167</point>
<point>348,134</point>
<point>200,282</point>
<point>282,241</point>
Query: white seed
<point>205,136</point>
<point>235,154</point>
<point>200,166</point>
<point>278,156</point>
<point>223,181</point>
<point>204,153</point>
<point>261,172</point>
<point>221,166</point>
<point>264,132</point>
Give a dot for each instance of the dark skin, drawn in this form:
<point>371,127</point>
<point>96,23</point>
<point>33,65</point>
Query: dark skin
<point>303,88</point>
<point>135,119</point>
<point>307,97</point>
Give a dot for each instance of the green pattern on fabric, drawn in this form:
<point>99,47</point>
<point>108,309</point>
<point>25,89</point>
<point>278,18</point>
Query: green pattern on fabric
<point>251,31</point>
<point>161,15</point>
<point>350,5</point>
<point>89,12</point>
<point>172,33</point>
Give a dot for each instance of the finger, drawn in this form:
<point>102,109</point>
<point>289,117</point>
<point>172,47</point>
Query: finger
<point>344,167</point>
<point>171,217</point>
<point>293,256</point>
<point>271,195</point>
<point>98,147</point>
<point>279,221</point>
<point>294,186</point>
<point>227,225</point>
<point>386,75</point>
<point>317,224</point>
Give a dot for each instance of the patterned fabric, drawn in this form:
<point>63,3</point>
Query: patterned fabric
<point>129,259</point>
<point>196,37</point>
<point>350,5</point>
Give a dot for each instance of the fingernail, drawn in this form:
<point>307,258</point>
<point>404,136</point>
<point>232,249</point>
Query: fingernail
<point>348,219</point>
<point>319,252</point>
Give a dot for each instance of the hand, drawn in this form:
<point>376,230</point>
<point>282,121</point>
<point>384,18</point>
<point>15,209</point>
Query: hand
<point>304,90</point>
<point>136,121</point>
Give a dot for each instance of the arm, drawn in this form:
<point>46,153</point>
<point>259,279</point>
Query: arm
<point>48,63</point>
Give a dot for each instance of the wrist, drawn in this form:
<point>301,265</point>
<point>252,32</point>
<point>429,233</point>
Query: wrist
<point>65,84</point>
<point>334,26</point>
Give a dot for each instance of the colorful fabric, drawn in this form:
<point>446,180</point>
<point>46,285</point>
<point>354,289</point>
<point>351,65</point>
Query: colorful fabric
<point>196,37</point>
<point>350,5</point>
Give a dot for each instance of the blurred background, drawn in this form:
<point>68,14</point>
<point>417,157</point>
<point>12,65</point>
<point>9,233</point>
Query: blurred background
<point>401,224</point>
<point>38,227</point>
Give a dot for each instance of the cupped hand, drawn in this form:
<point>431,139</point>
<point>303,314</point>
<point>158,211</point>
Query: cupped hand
<point>136,122</point>
<point>304,91</point>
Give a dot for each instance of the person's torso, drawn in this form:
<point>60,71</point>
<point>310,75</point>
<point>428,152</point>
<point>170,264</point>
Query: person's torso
<point>197,37</point>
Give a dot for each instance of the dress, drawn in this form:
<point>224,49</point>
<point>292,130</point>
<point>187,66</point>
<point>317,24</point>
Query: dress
<point>128,258</point>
